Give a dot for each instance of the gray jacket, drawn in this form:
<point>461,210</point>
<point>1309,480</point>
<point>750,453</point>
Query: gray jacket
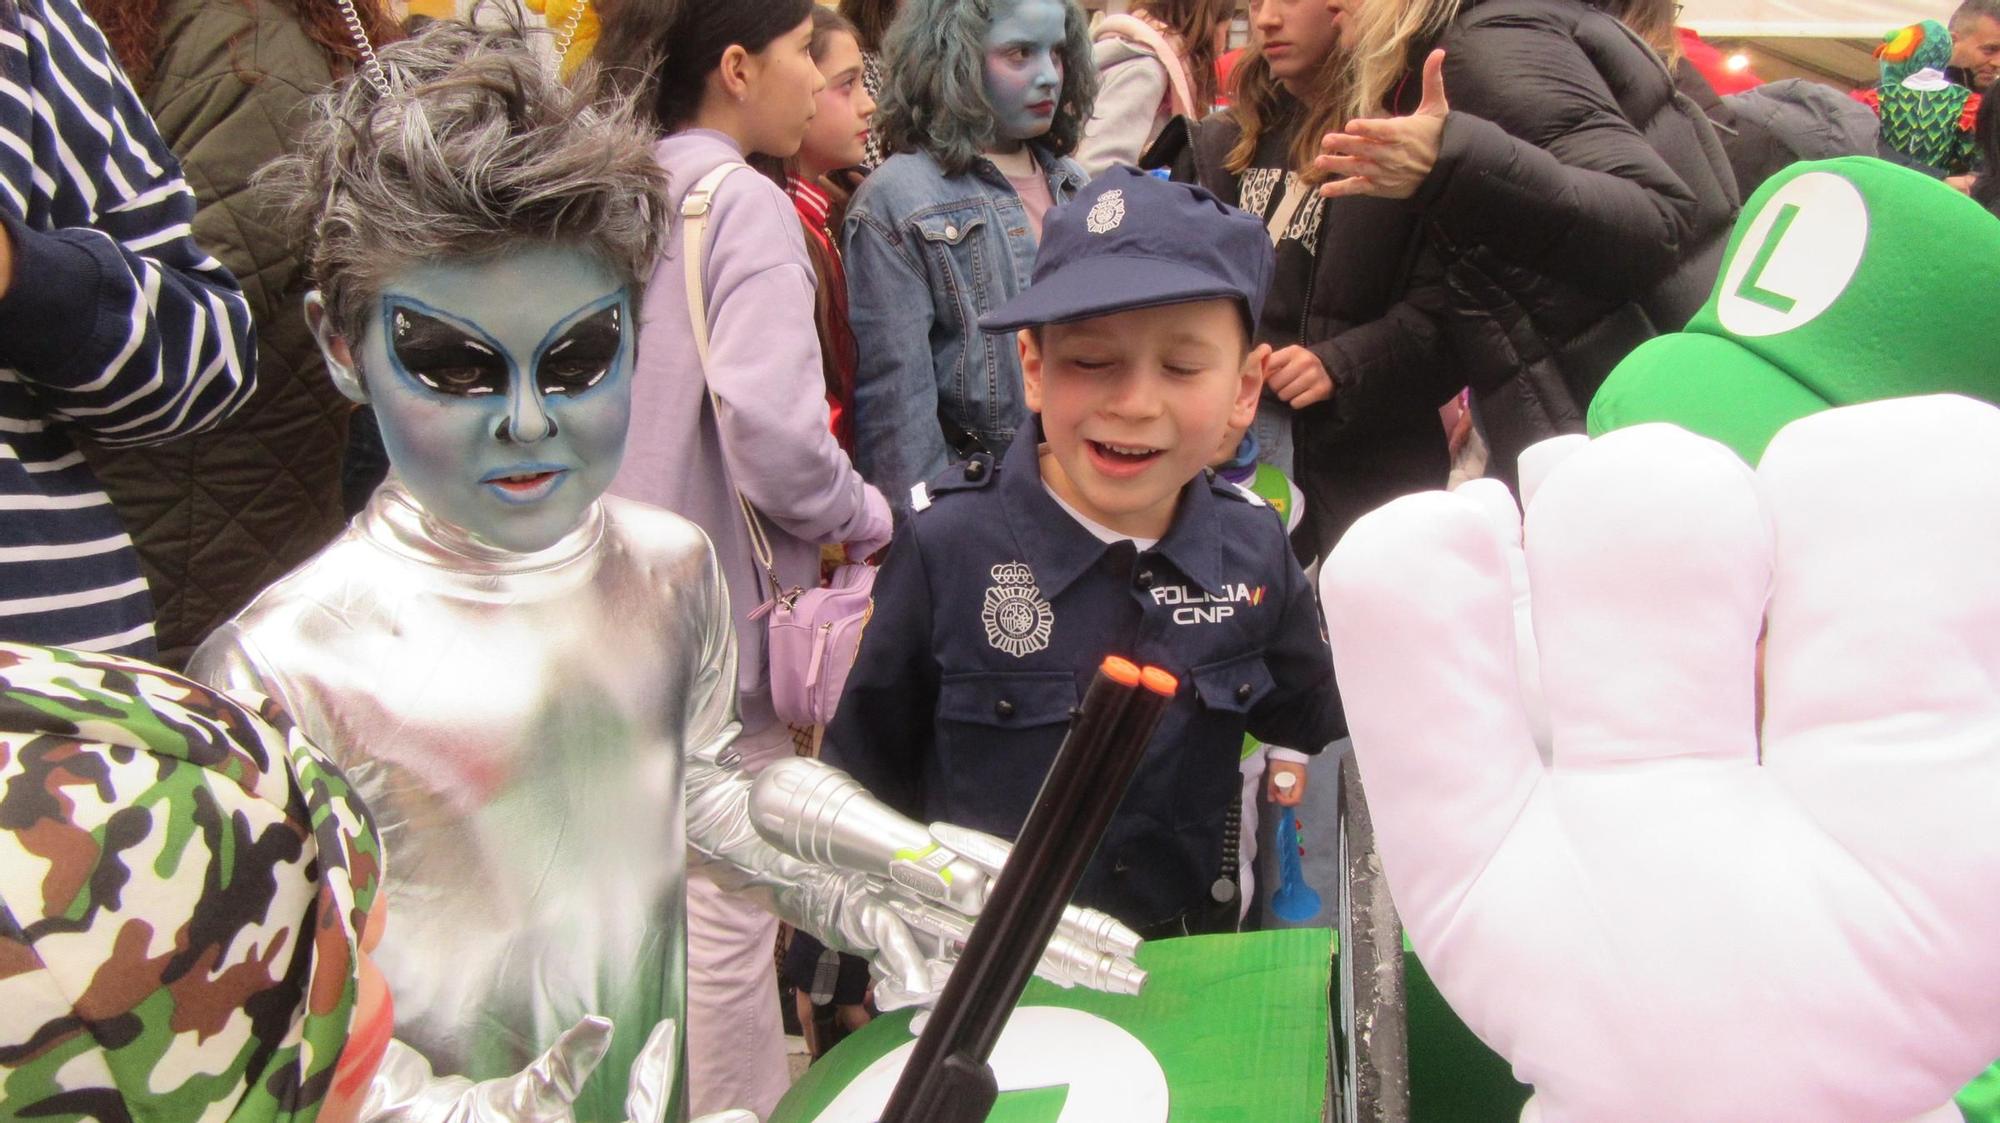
<point>1132,104</point>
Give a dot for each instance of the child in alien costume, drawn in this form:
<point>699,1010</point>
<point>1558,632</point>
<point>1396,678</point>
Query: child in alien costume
<point>532,687</point>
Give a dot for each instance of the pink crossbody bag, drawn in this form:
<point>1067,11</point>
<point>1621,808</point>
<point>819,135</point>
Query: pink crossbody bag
<point>812,635</point>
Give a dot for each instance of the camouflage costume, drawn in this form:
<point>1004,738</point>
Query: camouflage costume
<point>164,853</point>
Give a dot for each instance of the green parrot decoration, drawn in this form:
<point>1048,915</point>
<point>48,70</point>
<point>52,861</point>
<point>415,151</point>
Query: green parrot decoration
<point>1924,115</point>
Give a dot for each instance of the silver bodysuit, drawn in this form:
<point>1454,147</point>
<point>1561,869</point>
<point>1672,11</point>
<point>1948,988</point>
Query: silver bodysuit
<point>544,740</point>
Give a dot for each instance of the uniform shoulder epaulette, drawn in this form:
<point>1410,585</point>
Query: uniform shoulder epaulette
<point>976,472</point>
<point>1235,491</point>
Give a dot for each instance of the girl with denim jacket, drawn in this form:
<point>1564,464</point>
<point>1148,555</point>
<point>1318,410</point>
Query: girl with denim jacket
<point>984,100</point>
<point>729,80</point>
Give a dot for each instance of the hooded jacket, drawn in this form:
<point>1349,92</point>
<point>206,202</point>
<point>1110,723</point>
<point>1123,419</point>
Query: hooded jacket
<point>1773,125</point>
<point>772,445</point>
<point>1136,99</point>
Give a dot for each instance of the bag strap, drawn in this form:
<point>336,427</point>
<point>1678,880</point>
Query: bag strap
<point>1181,92</point>
<point>695,207</point>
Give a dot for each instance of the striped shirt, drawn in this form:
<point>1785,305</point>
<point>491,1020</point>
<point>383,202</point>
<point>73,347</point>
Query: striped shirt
<point>115,323</point>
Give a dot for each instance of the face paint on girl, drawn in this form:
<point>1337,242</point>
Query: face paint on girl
<point>1024,66</point>
<point>503,389</point>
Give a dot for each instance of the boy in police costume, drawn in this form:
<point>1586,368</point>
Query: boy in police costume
<point>1102,532</point>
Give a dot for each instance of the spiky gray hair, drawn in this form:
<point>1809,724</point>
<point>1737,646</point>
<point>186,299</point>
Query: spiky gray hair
<point>475,147</point>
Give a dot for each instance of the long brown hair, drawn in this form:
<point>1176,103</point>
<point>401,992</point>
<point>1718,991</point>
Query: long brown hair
<point>837,347</point>
<point>132,27</point>
<point>1193,22</point>
<point>1653,21</point>
<point>1260,103</point>
<point>871,20</point>
<point>827,23</point>
<point>668,50</point>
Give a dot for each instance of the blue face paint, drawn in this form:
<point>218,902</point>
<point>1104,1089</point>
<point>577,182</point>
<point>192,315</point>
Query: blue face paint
<point>503,387</point>
<point>1024,66</point>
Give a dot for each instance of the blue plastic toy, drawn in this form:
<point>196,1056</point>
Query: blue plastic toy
<point>1294,901</point>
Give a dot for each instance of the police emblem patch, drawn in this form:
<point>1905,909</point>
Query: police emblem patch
<point>1018,618</point>
<point>1108,214</point>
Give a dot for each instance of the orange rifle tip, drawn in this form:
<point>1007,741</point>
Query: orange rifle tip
<point>1160,682</point>
<point>1124,672</point>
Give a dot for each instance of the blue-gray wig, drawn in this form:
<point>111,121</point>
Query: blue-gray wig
<point>934,83</point>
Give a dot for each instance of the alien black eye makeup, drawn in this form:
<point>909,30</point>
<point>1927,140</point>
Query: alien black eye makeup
<point>584,354</point>
<point>442,356</point>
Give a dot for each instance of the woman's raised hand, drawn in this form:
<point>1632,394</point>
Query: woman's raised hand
<point>1388,156</point>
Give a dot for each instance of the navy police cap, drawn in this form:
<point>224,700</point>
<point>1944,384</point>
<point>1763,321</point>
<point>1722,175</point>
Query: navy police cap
<point>1130,240</point>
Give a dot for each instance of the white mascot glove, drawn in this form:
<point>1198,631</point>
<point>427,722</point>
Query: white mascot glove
<point>1661,920</point>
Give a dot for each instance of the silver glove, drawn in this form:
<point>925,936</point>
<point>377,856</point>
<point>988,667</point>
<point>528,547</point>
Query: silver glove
<point>406,1091</point>
<point>932,880</point>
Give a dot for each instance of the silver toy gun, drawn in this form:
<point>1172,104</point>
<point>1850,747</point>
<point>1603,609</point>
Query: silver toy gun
<point>935,879</point>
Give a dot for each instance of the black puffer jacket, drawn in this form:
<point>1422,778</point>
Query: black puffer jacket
<point>1579,202</point>
<point>1368,301</point>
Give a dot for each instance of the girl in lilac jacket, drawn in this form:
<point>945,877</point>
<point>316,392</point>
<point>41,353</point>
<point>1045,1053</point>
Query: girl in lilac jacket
<point>719,101</point>
<point>730,80</point>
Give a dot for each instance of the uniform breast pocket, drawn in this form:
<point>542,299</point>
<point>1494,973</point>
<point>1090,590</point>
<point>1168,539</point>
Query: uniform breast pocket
<point>1225,693</point>
<point>999,733</point>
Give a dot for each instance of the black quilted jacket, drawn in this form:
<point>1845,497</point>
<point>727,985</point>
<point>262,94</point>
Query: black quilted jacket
<point>219,516</point>
<point>1580,204</point>
<point>1364,297</point>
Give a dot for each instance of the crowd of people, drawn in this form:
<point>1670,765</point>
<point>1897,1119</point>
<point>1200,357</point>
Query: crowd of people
<point>1029,307</point>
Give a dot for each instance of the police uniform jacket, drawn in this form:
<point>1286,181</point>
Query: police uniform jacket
<point>992,613</point>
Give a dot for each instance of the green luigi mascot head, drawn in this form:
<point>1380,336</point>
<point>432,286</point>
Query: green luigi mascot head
<point>1845,281</point>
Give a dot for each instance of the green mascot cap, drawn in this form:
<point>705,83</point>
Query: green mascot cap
<point>1845,281</point>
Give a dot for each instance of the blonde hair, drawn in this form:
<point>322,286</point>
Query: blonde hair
<point>1383,32</point>
<point>1350,84</point>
